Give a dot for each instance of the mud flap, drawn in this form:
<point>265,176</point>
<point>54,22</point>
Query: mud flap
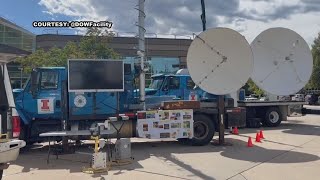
<point>236,117</point>
<point>295,110</point>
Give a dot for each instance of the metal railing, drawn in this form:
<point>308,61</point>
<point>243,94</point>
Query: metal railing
<point>118,34</point>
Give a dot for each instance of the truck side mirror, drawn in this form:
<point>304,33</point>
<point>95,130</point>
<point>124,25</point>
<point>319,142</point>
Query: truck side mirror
<point>34,83</point>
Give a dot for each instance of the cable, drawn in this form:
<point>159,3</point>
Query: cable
<point>224,58</point>
<point>210,47</point>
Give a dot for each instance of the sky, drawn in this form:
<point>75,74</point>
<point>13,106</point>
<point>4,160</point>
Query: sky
<point>167,18</point>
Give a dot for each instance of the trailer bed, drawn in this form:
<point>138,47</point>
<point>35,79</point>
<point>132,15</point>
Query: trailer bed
<point>270,103</point>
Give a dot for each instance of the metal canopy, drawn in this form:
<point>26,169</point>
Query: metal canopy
<point>9,53</point>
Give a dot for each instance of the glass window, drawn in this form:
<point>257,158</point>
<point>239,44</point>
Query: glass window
<point>156,83</point>
<point>190,83</point>
<point>161,65</point>
<point>49,80</point>
<point>12,32</point>
<point>174,82</point>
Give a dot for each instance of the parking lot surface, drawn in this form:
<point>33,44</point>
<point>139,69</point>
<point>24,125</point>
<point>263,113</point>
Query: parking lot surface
<point>290,151</point>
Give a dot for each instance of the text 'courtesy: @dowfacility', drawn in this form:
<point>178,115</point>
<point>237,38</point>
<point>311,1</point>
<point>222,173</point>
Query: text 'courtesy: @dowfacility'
<point>72,24</point>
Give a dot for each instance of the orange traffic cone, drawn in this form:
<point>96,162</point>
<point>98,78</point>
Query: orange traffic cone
<point>258,137</point>
<point>235,131</point>
<point>249,142</point>
<point>261,134</point>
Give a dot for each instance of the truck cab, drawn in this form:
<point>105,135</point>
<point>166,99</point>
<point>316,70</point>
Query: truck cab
<point>41,99</point>
<point>45,104</point>
<point>180,86</point>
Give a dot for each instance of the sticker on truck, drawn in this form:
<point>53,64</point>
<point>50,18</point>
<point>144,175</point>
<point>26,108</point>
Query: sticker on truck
<point>193,96</point>
<point>45,106</point>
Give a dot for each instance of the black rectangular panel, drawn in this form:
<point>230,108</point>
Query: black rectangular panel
<point>95,75</point>
<point>127,69</point>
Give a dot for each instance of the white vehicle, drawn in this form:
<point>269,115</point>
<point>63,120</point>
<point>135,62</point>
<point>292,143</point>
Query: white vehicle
<point>252,97</point>
<point>298,97</point>
<point>9,119</point>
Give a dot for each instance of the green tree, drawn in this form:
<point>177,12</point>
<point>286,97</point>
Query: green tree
<point>94,45</point>
<point>315,77</point>
<point>252,88</point>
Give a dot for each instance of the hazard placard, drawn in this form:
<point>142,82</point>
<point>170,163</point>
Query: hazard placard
<point>45,106</point>
<point>193,96</point>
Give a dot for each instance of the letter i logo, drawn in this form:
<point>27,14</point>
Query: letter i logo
<point>45,105</point>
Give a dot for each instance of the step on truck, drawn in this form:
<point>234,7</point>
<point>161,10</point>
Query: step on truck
<point>9,119</point>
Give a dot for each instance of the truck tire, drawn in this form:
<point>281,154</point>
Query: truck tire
<point>203,129</point>
<point>25,135</point>
<point>273,117</point>
<point>23,132</point>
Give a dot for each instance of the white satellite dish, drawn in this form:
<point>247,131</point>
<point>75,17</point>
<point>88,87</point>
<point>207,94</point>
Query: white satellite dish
<point>220,61</point>
<point>282,61</point>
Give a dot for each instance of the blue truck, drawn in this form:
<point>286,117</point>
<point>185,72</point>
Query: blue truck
<point>45,104</point>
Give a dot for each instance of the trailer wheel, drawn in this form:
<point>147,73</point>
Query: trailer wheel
<point>273,117</point>
<point>203,129</point>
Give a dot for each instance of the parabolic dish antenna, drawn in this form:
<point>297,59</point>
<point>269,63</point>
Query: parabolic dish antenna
<point>220,61</point>
<point>282,61</point>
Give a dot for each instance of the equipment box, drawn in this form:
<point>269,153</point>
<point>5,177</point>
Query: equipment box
<point>236,117</point>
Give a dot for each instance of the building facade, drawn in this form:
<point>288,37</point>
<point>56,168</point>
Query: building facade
<point>163,55</point>
<point>15,36</point>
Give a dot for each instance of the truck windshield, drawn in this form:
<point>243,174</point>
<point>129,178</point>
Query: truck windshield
<point>156,83</point>
<point>26,83</point>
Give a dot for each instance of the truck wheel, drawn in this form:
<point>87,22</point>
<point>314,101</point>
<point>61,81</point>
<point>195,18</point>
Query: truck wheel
<point>203,129</point>
<point>273,117</point>
<point>23,132</point>
<point>25,135</point>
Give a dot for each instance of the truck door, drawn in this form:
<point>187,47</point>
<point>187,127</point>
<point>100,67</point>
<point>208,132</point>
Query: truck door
<point>47,99</point>
<point>189,88</point>
<point>192,92</point>
<point>4,106</point>
<point>171,86</point>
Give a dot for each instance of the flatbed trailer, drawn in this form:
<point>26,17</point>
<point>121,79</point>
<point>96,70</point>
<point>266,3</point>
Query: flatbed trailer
<point>270,113</point>
<point>269,103</point>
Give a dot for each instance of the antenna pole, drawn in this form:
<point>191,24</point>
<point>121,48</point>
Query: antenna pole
<point>221,111</point>
<point>141,52</point>
<point>221,103</point>
<point>203,15</point>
